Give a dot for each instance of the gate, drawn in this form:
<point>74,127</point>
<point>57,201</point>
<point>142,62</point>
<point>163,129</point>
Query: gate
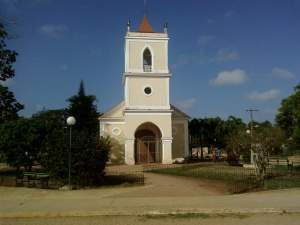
<point>148,150</point>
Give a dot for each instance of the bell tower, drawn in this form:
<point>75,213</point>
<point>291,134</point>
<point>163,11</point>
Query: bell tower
<point>146,76</point>
<point>146,81</point>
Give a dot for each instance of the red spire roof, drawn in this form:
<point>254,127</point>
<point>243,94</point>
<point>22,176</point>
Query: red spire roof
<point>145,26</point>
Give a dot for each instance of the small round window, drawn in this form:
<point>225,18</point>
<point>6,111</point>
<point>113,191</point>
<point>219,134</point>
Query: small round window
<point>148,90</point>
<point>116,131</point>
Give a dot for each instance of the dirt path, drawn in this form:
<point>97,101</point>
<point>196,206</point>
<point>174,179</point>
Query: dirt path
<point>160,185</point>
<point>258,219</point>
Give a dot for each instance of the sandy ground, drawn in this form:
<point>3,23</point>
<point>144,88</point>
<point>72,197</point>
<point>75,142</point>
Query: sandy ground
<point>159,185</point>
<point>141,220</point>
<point>162,194</point>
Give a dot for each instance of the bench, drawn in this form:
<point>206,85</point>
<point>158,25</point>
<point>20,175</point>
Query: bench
<point>279,162</point>
<point>33,178</point>
<point>295,160</point>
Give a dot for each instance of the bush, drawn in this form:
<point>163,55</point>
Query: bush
<point>19,143</point>
<point>89,155</point>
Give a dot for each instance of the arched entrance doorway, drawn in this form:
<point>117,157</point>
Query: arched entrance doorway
<point>147,146</point>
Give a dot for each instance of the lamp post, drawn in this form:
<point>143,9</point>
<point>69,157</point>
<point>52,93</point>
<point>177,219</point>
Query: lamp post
<point>70,122</point>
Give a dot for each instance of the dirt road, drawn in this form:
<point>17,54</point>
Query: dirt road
<point>257,219</point>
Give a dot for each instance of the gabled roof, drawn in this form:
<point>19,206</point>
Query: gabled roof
<point>145,26</point>
<point>178,113</point>
<point>115,112</point>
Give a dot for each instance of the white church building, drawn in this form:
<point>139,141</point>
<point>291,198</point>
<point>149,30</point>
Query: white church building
<point>145,127</point>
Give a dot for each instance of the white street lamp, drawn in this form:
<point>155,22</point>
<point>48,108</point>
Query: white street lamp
<point>71,121</point>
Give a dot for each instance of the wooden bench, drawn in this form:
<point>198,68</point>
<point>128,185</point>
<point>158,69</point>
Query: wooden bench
<point>34,178</point>
<point>295,160</point>
<point>279,162</point>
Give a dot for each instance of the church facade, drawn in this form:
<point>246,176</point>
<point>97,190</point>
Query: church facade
<point>145,127</point>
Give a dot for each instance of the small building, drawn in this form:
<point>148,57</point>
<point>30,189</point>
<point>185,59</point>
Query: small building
<point>145,127</point>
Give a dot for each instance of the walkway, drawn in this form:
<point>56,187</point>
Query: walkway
<point>161,194</point>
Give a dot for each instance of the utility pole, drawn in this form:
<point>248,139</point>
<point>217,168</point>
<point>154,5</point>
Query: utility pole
<point>251,111</point>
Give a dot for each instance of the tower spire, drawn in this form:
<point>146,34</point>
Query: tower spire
<point>145,26</point>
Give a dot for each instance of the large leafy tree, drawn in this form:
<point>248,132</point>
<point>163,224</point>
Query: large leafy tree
<point>7,57</point>
<point>288,117</point>
<point>20,142</point>
<point>9,106</point>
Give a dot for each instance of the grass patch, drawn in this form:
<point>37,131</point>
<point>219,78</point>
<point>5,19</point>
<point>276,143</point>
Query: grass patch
<point>195,215</point>
<point>239,179</point>
<point>282,182</point>
<point>226,174</point>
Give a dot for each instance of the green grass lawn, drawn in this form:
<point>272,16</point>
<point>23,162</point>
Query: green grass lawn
<point>227,174</point>
<point>282,182</point>
<point>239,179</point>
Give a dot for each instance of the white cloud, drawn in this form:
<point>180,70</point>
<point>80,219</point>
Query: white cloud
<point>205,39</point>
<point>230,77</point>
<point>282,73</point>
<point>264,95</point>
<point>186,104</point>
<point>54,31</point>
<point>226,55</point>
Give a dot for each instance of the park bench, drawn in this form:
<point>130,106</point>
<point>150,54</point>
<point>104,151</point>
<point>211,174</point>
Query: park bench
<point>295,160</point>
<point>281,162</point>
<point>35,178</point>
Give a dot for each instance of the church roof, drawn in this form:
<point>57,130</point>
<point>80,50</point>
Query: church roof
<point>117,112</point>
<point>145,26</point>
<point>114,112</point>
<point>177,113</point>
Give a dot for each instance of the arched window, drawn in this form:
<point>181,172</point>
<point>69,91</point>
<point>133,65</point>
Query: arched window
<point>147,60</point>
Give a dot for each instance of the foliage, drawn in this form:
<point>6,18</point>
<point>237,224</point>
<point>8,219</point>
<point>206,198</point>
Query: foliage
<point>20,141</point>
<point>236,144</point>
<point>53,150</point>
<point>7,57</point>
<point>215,132</point>
<point>9,107</point>
<point>89,153</point>
<point>282,182</point>
<point>82,107</point>
<point>288,117</point>
<point>89,157</point>
<point>265,141</point>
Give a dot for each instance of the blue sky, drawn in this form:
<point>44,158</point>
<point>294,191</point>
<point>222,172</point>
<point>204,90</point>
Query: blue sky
<point>225,56</point>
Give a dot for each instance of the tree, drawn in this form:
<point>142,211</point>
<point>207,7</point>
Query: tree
<point>9,107</point>
<point>288,117</point>
<point>7,57</point>
<point>89,151</point>
<point>82,107</point>
<point>265,141</point>
<point>235,139</point>
<point>237,143</point>
<point>19,143</point>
